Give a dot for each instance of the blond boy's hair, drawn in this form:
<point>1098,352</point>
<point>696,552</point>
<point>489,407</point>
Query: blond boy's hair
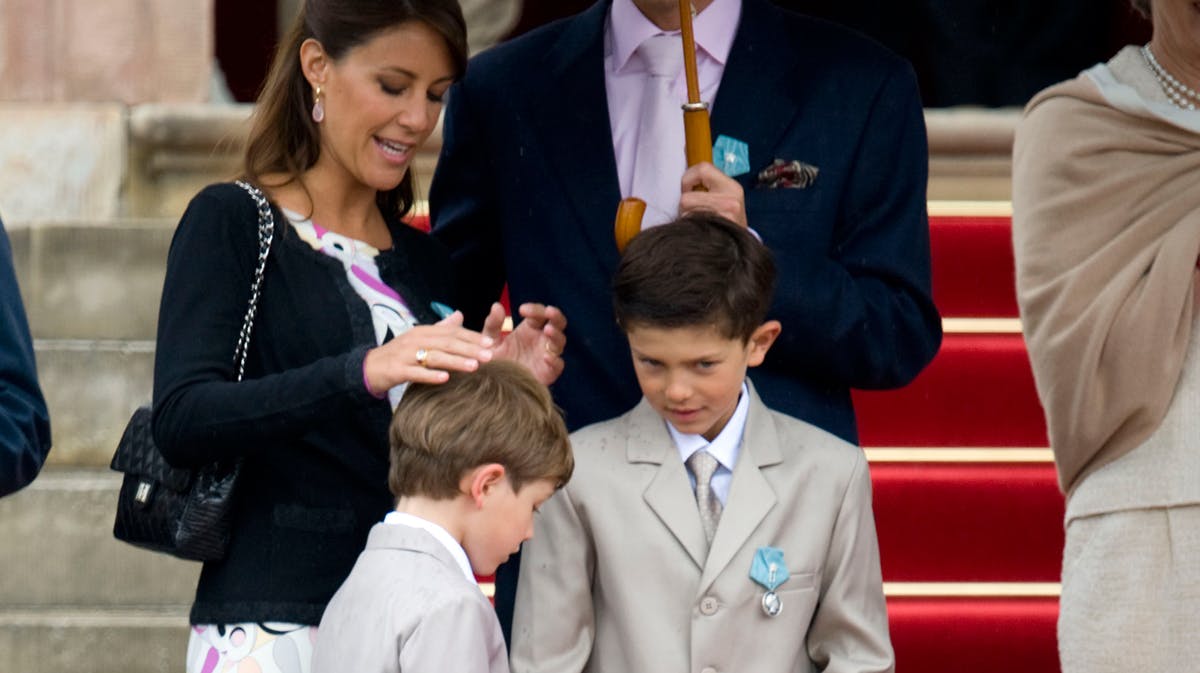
<point>497,414</point>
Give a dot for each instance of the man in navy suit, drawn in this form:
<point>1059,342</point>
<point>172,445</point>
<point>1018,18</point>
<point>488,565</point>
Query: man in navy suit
<point>24,422</point>
<point>537,153</point>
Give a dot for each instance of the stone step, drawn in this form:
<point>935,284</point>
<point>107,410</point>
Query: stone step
<point>92,281</point>
<point>58,552</point>
<point>85,281</point>
<point>91,388</point>
<point>71,640</point>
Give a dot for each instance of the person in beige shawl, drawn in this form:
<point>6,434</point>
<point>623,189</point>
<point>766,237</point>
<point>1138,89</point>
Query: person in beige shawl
<point>1106,233</point>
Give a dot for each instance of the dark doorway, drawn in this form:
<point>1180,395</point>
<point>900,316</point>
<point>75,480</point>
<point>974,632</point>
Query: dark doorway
<point>990,53</point>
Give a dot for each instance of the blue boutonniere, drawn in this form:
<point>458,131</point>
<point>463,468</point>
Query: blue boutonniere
<point>732,156</point>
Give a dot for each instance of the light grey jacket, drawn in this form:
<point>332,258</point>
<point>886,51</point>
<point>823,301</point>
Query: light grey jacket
<point>617,578</point>
<point>406,606</point>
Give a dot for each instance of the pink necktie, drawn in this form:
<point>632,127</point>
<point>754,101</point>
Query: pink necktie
<point>661,159</point>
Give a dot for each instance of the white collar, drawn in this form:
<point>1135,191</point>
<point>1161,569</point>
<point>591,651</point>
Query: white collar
<point>728,443</point>
<point>440,534</point>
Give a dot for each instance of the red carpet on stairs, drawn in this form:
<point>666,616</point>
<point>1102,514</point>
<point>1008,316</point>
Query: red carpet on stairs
<point>978,391</point>
<point>974,635</point>
<point>973,266</point>
<point>965,491</point>
<point>968,522</point>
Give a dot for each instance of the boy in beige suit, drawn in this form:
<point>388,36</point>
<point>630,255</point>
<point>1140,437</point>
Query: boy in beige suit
<point>703,531</point>
<point>471,460</point>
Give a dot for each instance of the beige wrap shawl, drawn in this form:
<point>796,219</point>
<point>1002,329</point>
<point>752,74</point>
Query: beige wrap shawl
<point>1106,233</point>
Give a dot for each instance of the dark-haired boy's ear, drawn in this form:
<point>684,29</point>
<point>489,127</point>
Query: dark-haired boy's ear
<point>483,480</point>
<point>761,340</point>
<point>313,62</point>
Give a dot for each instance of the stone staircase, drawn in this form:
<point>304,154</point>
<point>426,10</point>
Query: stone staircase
<point>91,294</point>
<point>74,599</point>
<point>71,597</point>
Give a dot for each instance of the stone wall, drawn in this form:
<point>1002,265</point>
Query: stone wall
<point>128,51</point>
<point>61,161</point>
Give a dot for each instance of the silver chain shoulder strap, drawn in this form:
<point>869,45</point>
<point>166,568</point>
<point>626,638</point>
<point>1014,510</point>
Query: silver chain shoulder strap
<point>266,233</point>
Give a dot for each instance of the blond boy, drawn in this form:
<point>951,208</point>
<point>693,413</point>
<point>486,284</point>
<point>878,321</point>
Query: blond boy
<point>471,460</point>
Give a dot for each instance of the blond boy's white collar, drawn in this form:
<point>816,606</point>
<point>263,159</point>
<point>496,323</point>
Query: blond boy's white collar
<point>440,534</point>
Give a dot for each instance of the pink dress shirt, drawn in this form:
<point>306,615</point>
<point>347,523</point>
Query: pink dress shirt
<point>625,73</point>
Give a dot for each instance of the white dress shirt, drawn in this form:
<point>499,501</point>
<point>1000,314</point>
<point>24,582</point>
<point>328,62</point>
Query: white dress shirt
<point>726,447</point>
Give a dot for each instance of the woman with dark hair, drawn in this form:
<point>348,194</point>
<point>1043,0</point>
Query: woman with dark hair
<point>1106,229</point>
<point>354,306</point>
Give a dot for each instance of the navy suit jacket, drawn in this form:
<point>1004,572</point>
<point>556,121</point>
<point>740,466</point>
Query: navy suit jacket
<point>24,421</point>
<point>526,191</point>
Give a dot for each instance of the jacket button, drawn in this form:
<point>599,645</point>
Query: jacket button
<point>708,606</point>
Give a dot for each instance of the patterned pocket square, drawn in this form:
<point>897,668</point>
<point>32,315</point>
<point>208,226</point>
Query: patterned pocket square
<point>788,175</point>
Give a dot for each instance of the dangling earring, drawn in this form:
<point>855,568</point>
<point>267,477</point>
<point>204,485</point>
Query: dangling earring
<point>318,111</point>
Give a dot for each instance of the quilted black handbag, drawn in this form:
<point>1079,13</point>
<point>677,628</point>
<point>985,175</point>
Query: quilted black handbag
<point>185,512</point>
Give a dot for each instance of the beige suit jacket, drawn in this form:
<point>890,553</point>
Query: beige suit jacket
<point>406,606</point>
<point>617,578</point>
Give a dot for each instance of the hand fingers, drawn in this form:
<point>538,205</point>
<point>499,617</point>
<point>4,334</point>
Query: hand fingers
<point>553,344</point>
<point>550,322</point>
<point>550,369</point>
<point>394,366</point>
<point>386,367</point>
<point>460,343</point>
<point>542,314</point>
<point>422,375</point>
<point>427,347</point>
<point>426,352</point>
<point>724,195</point>
<point>449,327</point>
<point>437,360</point>
<point>455,319</point>
<point>710,177</point>
<point>494,323</point>
<point>553,340</point>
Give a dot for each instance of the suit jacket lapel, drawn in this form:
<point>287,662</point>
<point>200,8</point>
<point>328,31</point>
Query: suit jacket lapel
<point>572,118</point>
<point>756,104</point>
<point>751,496</point>
<point>669,493</point>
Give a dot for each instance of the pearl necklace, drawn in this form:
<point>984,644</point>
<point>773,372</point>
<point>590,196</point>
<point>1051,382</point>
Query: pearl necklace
<point>1177,92</point>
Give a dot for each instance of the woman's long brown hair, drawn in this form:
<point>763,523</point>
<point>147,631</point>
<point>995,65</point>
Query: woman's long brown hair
<point>283,138</point>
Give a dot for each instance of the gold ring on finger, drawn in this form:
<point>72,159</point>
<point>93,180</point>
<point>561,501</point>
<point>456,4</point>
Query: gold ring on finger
<point>422,356</point>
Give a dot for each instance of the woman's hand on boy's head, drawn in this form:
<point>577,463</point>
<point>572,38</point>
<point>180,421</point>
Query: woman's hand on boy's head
<point>425,354</point>
<point>537,342</point>
<point>724,197</point>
